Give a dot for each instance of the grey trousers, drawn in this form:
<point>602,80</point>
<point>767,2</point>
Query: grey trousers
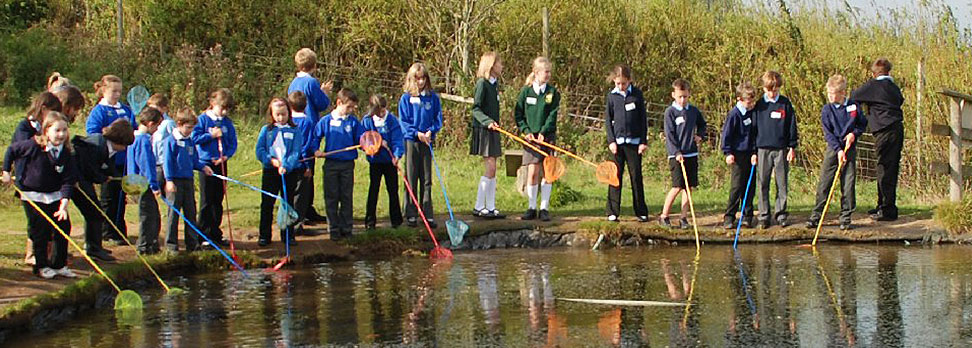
<point>828,169</point>
<point>149,222</point>
<point>338,196</point>
<point>773,163</point>
<point>418,172</point>
<point>183,199</point>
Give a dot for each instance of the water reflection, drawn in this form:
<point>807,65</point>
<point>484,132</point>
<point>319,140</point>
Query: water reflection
<point>772,296</point>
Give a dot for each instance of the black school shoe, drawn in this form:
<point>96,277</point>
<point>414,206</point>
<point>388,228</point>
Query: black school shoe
<point>880,216</point>
<point>412,222</point>
<point>764,224</point>
<point>750,222</point>
<point>432,224</point>
<point>530,214</point>
<point>684,224</point>
<point>544,215</point>
<point>665,222</point>
<point>728,222</point>
<point>782,222</point>
<point>494,215</point>
<point>844,226</point>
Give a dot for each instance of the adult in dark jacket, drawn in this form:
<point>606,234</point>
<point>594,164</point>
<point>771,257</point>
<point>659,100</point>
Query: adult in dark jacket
<point>883,100</point>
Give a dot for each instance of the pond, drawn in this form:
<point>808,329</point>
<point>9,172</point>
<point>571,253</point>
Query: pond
<point>779,295</point>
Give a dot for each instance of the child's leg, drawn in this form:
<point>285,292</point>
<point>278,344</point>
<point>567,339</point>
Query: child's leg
<point>290,179</point>
<point>614,193</point>
<point>149,222</point>
<point>782,173</point>
<point>172,221</point>
<point>113,203</point>
<point>332,190</point>
<point>391,185</point>
<point>347,197</point>
<point>302,197</point>
<point>737,185</point>
<point>669,200</point>
<point>426,187</point>
<point>93,221</point>
<point>412,172</point>
<point>59,256</point>
<point>39,232</point>
<point>189,209</point>
<point>533,184</point>
<point>211,204</point>
<point>270,182</point>
<point>633,160</point>
<point>828,168</point>
<point>764,168</point>
<point>848,201</point>
<point>685,205</point>
<point>483,192</point>
<point>374,186</point>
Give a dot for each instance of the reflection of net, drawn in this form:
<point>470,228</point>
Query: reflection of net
<point>128,300</point>
<point>370,142</point>
<point>607,173</point>
<point>553,168</point>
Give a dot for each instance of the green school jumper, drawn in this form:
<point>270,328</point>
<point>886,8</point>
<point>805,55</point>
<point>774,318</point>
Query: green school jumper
<point>538,113</point>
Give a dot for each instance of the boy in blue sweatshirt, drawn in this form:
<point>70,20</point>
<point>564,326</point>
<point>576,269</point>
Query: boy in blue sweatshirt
<point>341,129</point>
<point>304,191</point>
<point>739,147</point>
<point>842,124</point>
<point>180,160</point>
<point>215,138</point>
<point>142,161</point>
<point>279,147</point>
<point>684,129</point>
<point>420,112</point>
<point>384,164</point>
<point>164,130</point>
<point>776,141</point>
<point>305,82</point>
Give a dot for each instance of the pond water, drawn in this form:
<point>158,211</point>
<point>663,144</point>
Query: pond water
<point>781,295</point>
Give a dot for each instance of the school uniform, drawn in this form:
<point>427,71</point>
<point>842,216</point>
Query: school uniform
<point>286,144</point>
<point>339,132</point>
<point>485,110</point>
<point>158,138</point>
<point>837,121</point>
<point>776,134</point>
<point>26,129</point>
<point>49,175</point>
<point>419,113</point>
<point>304,189</point>
<point>142,161</point>
<point>883,99</point>
<point>381,166</point>
<point>96,165</point>
<point>112,196</point>
<point>180,160</point>
<point>739,140</point>
<point>317,100</point>
<point>682,124</point>
<point>626,124</point>
<point>536,113</point>
<point>211,188</point>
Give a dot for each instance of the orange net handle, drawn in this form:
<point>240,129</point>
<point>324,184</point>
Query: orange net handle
<point>521,141</point>
<point>568,153</point>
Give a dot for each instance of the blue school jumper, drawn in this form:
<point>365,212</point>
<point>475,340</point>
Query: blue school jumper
<point>776,126</point>
<point>180,158</point>
<point>142,161</point>
<point>391,132</point>
<point>839,120</point>
<point>292,139</point>
<point>306,127</point>
<point>738,133</point>
<point>164,132</point>
<point>205,143</point>
<point>317,101</point>
<point>419,114</point>
<point>681,126</point>
<point>339,133</point>
<point>103,115</point>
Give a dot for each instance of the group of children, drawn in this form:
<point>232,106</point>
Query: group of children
<point>759,137</point>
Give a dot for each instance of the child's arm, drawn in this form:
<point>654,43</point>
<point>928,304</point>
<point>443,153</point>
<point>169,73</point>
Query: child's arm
<point>200,133</point>
<point>96,120</point>
<point>609,124</point>
<point>728,134</point>
<point>550,122</point>
<point>320,131</point>
<point>479,97</point>
<point>830,132</point>
<point>14,151</point>
<point>149,163</point>
<point>295,152</point>
<point>407,119</point>
<point>437,113</point>
<point>262,154</point>
<point>317,97</point>
<point>860,123</point>
<point>792,130</point>
<point>229,139</point>
<point>198,164</point>
<point>397,141</point>
<point>643,118</point>
<point>671,133</point>
<point>519,113</point>
<point>700,127</point>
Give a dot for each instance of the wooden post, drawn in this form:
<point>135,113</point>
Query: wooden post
<point>955,151</point>
<point>546,32</point>
<point>121,25</point>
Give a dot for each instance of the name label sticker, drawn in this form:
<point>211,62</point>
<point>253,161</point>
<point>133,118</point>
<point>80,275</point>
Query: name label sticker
<point>629,106</point>
<point>531,101</point>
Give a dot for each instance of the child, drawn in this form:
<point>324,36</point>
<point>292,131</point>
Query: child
<point>485,141</point>
<point>48,180</point>
<point>96,155</point>
<point>739,145</point>
<point>626,123</point>
<point>384,164</point>
<point>56,82</point>
<point>279,147</point>
<point>842,124</point>
<point>304,191</point>
<point>315,92</point>
<point>164,130</point>
<point>181,159</point>
<point>420,111</point>
<point>883,99</point>
<point>142,162</point>
<point>536,116</point>
<point>109,109</point>
<point>72,101</point>
<point>341,129</point>
<point>776,141</point>
<point>215,139</point>
<point>684,129</point>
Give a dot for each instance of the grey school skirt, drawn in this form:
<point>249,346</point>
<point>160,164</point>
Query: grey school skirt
<point>485,143</point>
<point>532,157</point>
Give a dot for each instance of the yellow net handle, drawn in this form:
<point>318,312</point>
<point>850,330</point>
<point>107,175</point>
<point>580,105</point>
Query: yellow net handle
<point>112,223</point>
<point>568,153</point>
<point>520,140</point>
<point>70,241</point>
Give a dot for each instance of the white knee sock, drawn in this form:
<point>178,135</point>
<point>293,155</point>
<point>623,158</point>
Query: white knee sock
<point>532,193</point>
<point>481,194</point>
<point>545,188</point>
<point>491,194</point>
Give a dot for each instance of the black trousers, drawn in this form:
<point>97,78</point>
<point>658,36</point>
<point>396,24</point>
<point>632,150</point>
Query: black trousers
<point>390,173</point>
<point>737,185</point>
<point>418,172</point>
<point>828,169</point>
<point>273,184</point>
<point>303,192</point>
<point>338,196</point>
<point>94,222</point>
<point>211,192</point>
<point>888,143</point>
<point>628,155</point>
<point>149,222</point>
<point>113,203</point>
<point>41,232</point>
